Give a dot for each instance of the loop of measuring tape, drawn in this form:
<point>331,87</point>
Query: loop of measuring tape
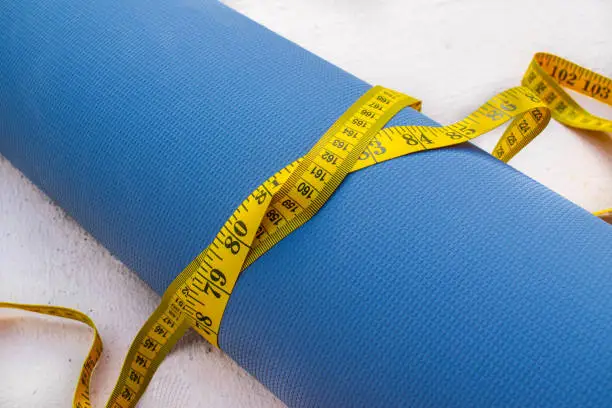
<point>198,296</point>
<point>95,351</point>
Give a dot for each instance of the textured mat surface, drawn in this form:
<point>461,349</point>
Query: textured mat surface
<point>447,279</point>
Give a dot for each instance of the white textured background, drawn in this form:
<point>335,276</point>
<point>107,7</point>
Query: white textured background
<point>452,54</point>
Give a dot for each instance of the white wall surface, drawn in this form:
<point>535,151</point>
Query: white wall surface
<point>452,54</point>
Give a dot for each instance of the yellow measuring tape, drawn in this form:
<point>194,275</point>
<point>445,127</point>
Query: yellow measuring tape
<point>198,296</point>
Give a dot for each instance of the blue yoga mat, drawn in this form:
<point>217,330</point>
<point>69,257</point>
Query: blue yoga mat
<point>444,278</point>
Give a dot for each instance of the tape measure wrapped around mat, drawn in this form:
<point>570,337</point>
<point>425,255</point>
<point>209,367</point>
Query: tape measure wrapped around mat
<point>443,278</point>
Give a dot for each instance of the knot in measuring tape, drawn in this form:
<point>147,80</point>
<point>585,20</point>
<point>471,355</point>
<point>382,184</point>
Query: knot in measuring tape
<point>197,298</point>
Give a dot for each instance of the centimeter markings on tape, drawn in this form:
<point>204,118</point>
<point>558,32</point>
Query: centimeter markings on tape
<point>203,288</point>
<point>548,74</point>
<point>198,296</point>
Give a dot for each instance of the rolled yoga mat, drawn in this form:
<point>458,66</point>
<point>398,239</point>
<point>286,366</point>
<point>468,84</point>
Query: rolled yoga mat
<point>445,278</point>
